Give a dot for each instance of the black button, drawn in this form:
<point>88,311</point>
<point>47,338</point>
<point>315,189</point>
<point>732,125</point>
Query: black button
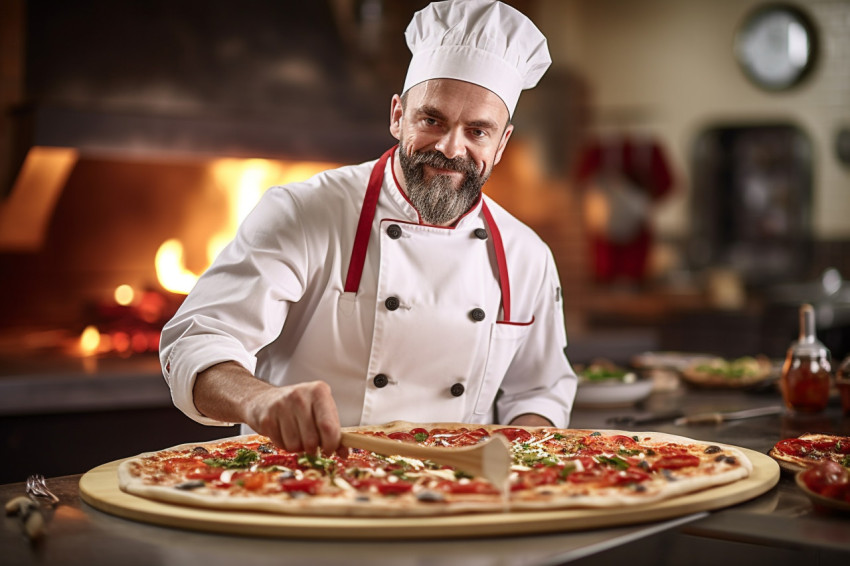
<point>380,380</point>
<point>481,233</point>
<point>391,303</point>
<point>394,231</point>
<point>477,314</point>
<point>457,389</point>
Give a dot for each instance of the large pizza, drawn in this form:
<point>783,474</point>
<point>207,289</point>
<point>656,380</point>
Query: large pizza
<point>551,468</point>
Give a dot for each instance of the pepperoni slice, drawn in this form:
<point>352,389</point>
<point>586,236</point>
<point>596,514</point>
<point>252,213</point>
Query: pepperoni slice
<point>795,447</point>
<point>514,434</point>
<point>675,462</point>
<point>304,485</point>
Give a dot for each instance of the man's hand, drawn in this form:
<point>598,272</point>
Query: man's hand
<point>296,417</point>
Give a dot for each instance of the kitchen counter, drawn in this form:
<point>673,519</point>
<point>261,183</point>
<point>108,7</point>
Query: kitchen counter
<point>781,525</point>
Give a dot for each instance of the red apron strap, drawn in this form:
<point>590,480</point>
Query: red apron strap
<point>364,225</point>
<point>364,229</point>
<point>501,261</point>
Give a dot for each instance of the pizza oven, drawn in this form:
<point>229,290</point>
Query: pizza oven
<point>141,137</point>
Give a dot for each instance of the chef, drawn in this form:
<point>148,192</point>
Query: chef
<point>392,289</point>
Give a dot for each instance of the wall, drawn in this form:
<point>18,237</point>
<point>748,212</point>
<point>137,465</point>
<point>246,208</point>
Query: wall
<point>666,67</point>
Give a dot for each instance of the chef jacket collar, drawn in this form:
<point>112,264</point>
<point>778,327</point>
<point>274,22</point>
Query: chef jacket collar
<point>471,217</point>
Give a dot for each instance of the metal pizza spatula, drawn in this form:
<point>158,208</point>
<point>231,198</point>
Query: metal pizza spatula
<point>490,459</point>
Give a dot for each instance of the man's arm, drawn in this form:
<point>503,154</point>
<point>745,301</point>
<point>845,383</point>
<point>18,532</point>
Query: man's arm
<point>298,417</point>
<point>530,419</point>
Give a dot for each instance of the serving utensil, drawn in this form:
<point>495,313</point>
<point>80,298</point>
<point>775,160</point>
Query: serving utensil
<point>717,417</point>
<point>490,459</point>
<point>37,489</point>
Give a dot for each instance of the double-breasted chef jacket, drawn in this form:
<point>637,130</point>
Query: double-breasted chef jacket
<point>420,335</point>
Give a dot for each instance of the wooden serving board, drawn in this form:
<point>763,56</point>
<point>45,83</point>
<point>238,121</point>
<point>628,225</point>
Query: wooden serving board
<point>99,488</point>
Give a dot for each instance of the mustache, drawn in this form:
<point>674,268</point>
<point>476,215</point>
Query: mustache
<point>436,159</point>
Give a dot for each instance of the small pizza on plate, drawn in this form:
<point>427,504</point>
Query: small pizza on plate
<point>721,373</point>
<point>811,449</point>
<point>551,469</point>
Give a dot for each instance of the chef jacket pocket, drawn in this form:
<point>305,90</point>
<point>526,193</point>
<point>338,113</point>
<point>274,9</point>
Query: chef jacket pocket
<point>505,340</point>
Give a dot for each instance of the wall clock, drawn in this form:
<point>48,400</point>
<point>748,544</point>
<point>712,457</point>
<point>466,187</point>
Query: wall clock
<point>776,46</point>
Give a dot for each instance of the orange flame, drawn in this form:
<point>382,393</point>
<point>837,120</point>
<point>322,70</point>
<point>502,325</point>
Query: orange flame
<point>243,181</point>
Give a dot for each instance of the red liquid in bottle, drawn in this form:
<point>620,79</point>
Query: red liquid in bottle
<point>805,384</point>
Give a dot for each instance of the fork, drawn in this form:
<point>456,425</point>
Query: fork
<point>37,487</point>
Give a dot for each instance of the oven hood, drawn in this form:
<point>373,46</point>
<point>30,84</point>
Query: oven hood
<point>299,80</point>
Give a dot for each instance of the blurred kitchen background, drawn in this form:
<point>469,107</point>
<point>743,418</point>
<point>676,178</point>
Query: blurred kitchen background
<point>692,193</point>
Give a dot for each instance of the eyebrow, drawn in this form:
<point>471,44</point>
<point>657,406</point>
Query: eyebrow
<point>435,113</point>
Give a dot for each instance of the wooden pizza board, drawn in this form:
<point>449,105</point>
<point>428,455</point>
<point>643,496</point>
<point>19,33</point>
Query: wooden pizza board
<point>99,488</point>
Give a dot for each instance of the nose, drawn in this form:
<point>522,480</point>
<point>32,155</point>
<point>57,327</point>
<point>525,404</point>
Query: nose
<point>451,144</point>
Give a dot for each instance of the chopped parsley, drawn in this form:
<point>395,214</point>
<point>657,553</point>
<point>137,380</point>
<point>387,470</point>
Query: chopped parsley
<point>421,436</point>
<point>613,461</point>
<point>846,462</point>
<point>243,459</point>
<point>317,462</point>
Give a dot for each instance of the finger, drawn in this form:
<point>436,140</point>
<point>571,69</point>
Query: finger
<point>308,432</point>
<point>327,423</point>
<point>288,426</point>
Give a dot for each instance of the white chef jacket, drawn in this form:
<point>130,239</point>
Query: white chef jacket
<point>274,302</point>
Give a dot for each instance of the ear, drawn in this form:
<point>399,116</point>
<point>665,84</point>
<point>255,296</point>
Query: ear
<point>396,112</point>
<point>503,142</point>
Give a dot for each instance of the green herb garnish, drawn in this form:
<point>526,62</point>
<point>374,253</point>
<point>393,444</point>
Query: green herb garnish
<point>613,461</point>
<point>243,459</point>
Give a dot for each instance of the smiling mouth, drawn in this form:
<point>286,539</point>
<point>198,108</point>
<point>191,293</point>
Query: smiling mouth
<point>440,171</point>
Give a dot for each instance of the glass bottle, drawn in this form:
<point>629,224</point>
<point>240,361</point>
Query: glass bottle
<point>806,373</point>
<point>842,382</point>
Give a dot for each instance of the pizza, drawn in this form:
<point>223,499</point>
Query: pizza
<point>551,469</point>
<point>811,449</point>
<point>741,372</point>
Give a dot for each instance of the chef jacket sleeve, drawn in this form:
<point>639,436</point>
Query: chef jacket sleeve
<point>240,303</point>
<point>540,379</point>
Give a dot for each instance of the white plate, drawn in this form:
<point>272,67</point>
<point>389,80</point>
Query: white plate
<point>611,393</point>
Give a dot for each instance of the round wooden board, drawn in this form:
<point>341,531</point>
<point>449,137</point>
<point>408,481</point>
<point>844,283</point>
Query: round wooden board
<point>99,488</point>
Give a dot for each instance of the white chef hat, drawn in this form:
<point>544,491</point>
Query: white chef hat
<point>483,42</point>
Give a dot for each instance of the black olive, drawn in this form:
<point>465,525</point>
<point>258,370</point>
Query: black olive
<point>362,498</point>
<point>639,488</point>
<point>427,496</point>
<point>720,458</point>
<point>668,475</point>
<point>192,484</point>
<point>712,449</point>
<point>643,465</point>
<point>200,450</point>
<point>266,448</point>
<point>731,460</point>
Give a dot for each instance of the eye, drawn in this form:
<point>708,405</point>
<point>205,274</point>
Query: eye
<point>478,133</point>
<point>430,121</point>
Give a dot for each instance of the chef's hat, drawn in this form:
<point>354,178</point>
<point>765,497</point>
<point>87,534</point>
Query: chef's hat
<point>483,42</point>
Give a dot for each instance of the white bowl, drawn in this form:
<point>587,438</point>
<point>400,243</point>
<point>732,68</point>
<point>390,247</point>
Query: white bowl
<point>611,393</point>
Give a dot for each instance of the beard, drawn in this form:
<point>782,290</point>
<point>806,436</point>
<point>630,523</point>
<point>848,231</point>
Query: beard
<point>438,201</point>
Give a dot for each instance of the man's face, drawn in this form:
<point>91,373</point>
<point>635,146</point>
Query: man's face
<point>451,134</point>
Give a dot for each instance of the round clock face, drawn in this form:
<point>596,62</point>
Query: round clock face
<point>776,46</point>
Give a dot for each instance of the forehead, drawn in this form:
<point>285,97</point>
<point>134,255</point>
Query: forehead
<point>459,100</point>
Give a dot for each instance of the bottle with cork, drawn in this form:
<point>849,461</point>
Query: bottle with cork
<point>806,373</point>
